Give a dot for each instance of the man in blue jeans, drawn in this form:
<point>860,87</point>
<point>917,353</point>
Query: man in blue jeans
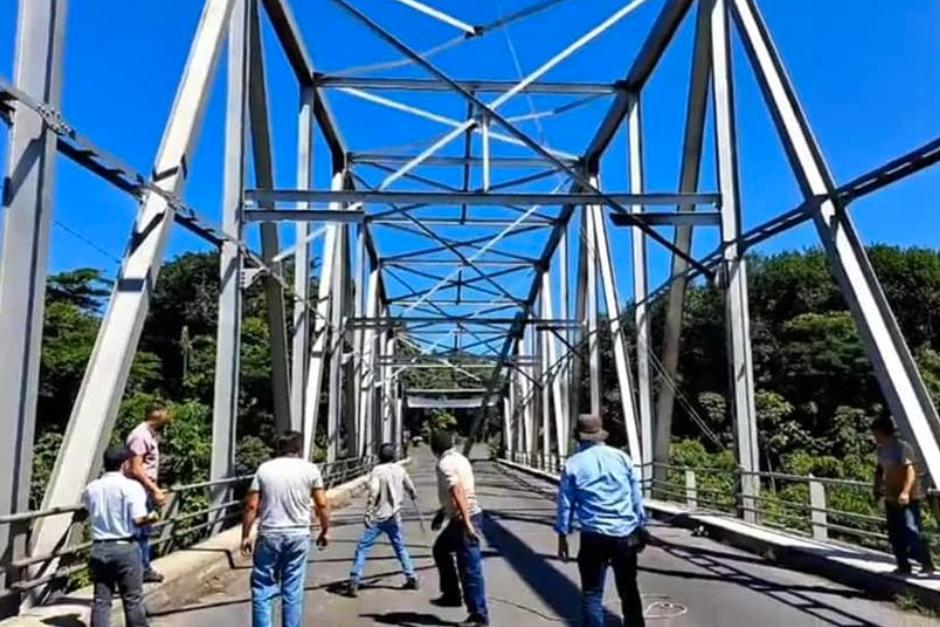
<point>388,484</point>
<point>282,491</point>
<point>457,493</point>
<point>896,482</point>
<point>599,489</point>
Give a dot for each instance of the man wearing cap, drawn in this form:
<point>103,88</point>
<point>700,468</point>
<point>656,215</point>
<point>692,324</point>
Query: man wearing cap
<point>599,489</point>
<point>117,508</point>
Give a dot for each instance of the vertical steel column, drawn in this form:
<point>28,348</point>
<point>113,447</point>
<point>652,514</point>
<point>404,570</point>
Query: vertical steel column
<point>337,399</point>
<point>228,338</point>
<point>593,342</point>
<point>358,333</point>
<point>528,391</point>
<point>688,184</point>
<point>389,419</point>
<point>894,367</point>
<point>270,240</point>
<point>321,331</point>
<point>28,189</point>
<point>558,406</point>
<point>564,313</point>
<point>102,388</point>
<point>640,293</point>
<point>301,327</point>
<point>509,430</point>
<point>581,339</point>
<point>734,270</point>
<point>598,224</point>
<point>367,362</point>
<point>544,376</point>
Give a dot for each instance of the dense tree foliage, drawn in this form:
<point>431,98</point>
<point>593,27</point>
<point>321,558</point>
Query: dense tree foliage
<point>815,389</point>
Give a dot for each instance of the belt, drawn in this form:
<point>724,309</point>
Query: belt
<point>114,541</point>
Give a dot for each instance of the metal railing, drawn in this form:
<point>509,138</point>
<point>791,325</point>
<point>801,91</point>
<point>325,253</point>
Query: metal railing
<point>192,513</point>
<point>820,508</point>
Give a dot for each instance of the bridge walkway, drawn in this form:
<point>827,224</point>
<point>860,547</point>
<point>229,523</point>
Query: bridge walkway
<point>685,580</point>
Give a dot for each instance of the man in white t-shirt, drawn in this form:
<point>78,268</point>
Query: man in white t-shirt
<point>456,490</point>
<point>280,495</point>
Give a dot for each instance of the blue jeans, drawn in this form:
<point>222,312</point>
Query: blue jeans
<point>597,552</point>
<point>469,562</point>
<point>143,539</point>
<point>391,528</point>
<point>903,522</point>
<point>280,568</point>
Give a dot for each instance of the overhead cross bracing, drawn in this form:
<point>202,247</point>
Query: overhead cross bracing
<point>462,219</point>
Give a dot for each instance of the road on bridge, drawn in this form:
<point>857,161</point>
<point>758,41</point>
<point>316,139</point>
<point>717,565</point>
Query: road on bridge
<point>685,580</point>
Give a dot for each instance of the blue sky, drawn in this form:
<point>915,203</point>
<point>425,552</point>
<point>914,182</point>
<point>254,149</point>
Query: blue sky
<point>867,77</point>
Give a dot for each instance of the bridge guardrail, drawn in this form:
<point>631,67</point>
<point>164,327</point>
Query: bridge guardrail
<point>169,534</point>
<point>819,507</point>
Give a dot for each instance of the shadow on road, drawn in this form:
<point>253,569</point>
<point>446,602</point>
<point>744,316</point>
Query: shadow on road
<point>407,619</point>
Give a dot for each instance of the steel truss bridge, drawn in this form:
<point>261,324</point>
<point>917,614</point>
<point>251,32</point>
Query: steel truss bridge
<point>498,276</point>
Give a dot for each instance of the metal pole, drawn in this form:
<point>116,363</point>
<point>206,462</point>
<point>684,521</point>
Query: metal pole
<point>621,360</point>
<point>102,388</point>
<point>27,204</point>
<point>641,313</point>
<point>270,244</point>
<point>891,359</point>
<point>320,331</point>
<point>228,337</point>
<point>735,274</point>
<point>556,382</point>
<point>336,398</point>
<point>593,345</point>
<point>688,182</point>
<point>301,340</point>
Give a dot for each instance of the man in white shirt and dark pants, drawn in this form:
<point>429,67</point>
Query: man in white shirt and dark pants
<point>117,507</point>
<point>457,493</point>
<point>280,495</point>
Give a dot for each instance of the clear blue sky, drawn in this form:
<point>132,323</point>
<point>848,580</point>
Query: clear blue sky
<point>867,73</point>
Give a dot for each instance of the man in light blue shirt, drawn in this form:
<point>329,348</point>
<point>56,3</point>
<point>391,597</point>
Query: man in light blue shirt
<point>117,508</point>
<point>599,493</point>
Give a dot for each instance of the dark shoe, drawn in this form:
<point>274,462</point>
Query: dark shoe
<point>152,576</point>
<point>473,621</point>
<point>446,601</point>
<point>410,584</point>
<point>902,571</point>
<point>352,589</point>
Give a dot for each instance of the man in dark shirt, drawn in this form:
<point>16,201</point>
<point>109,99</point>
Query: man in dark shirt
<point>896,482</point>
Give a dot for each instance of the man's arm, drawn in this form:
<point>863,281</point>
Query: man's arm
<point>322,506</point>
<point>910,476</point>
<point>878,486</point>
<point>637,491</point>
<point>410,486</point>
<point>138,505</point>
<point>372,500</point>
<point>463,508</point>
<point>252,502</point>
<point>136,471</point>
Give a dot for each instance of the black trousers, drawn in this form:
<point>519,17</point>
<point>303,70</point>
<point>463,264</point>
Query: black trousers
<point>597,553</point>
<point>116,566</point>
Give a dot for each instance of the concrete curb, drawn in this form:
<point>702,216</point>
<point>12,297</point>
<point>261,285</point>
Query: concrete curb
<point>795,551</point>
<point>184,570</point>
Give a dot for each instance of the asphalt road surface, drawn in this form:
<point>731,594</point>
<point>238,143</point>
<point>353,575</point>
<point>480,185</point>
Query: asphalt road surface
<point>686,581</point>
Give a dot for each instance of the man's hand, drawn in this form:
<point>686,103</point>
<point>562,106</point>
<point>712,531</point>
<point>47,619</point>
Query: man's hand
<point>438,520</point>
<point>472,534</point>
<point>323,540</point>
<point>904,498</point>
<point>159,497</point>
<point>563,553</point>
<point>247,546</point>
